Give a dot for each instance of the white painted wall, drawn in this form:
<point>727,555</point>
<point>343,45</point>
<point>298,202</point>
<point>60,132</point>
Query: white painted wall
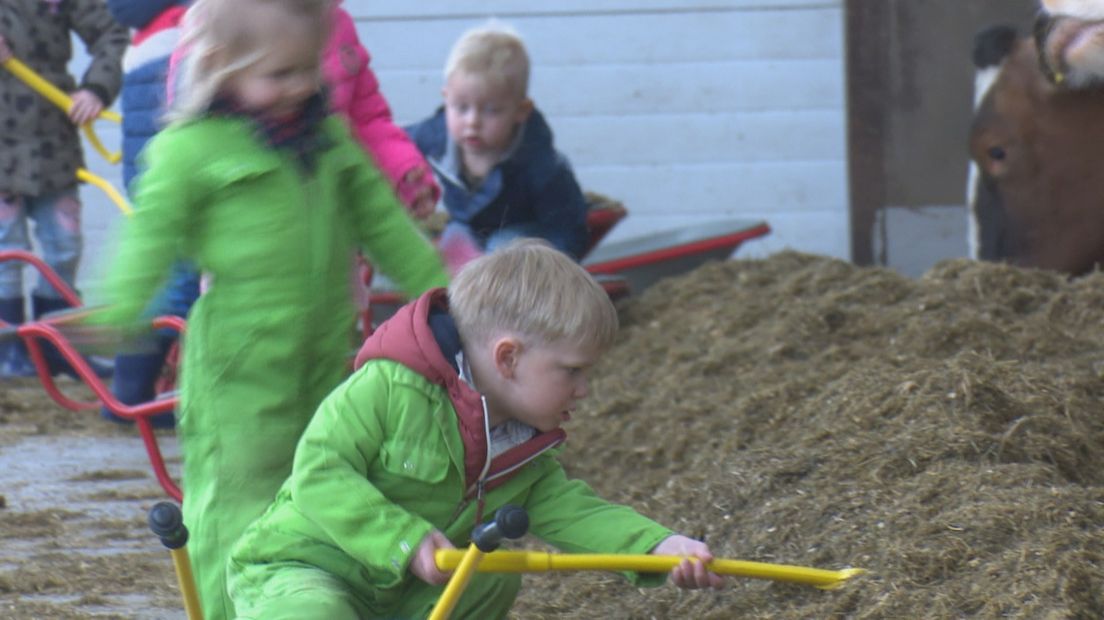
<point>685,111</point>
<point>688,112</point>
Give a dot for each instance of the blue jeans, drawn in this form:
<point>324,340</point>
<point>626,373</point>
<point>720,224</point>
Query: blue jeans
<point>57,218</point>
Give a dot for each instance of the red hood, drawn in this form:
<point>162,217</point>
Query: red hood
<point>406,338</point>
<point>169,18</point>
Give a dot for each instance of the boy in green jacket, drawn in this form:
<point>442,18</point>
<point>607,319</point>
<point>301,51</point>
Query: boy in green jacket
<point>455,409</point>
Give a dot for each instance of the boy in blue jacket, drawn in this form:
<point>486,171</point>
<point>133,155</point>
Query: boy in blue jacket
<point>492,151</point>
<point>454,411</point>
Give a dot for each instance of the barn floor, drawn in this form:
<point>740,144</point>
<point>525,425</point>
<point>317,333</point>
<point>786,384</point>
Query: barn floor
<point>942,432</point>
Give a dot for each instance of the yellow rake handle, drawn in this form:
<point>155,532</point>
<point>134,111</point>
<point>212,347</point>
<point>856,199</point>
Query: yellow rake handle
<point>186,581</point>
<point>539,561</point>
<point>56,96</point>
<point>467,563</point>
<point>94,140</point>
<point>100,182</point>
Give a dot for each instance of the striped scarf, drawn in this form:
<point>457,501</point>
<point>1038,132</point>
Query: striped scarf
<point>300,134</point>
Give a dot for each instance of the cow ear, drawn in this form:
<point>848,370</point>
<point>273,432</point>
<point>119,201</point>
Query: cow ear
<point>992,44</point>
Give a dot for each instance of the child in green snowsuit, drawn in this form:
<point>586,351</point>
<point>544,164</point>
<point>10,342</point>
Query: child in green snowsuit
<point>265,191</point>
<point>455,410</point>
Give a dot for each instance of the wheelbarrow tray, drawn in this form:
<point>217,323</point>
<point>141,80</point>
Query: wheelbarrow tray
<point>645,259</point>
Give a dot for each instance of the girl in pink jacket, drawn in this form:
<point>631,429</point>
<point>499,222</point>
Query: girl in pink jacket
<point>354,93</point>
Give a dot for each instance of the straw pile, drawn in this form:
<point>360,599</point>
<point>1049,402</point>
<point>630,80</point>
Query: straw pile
<point>944,433</point>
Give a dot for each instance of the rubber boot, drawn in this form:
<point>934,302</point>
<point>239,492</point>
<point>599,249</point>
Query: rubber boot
<point>15,361</point>
<point>54,359</point>
<point>135,382</point>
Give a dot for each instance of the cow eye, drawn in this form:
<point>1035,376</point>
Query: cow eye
<point>997,153</point>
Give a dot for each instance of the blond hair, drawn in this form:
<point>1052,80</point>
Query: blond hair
<point>220,40</point>
<point>533,290</point>
<point>495,52</point>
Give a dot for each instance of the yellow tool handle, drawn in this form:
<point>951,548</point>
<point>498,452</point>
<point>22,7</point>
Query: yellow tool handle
<point>539,561</point>
<point>467,562</point>
<point>62,100</point>
<point>94,139</point>
<point>48,90</point>
<point>186,582</point>
<point>100,182</point>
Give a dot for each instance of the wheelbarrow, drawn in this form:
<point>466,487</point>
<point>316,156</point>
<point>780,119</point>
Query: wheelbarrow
<point>644,260</point>
<point>603,214</point>
<point>50,329</point>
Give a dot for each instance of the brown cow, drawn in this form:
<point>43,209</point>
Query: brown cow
<point>1038,161</point>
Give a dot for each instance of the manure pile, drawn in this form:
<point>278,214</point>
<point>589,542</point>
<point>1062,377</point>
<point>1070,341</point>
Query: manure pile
<point>945,433</point>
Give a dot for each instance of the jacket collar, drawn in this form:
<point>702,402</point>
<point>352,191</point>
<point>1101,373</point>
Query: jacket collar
<point>409,338</point>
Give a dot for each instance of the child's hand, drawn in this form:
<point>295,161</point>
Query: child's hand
<point>689,574</point>
<point>86,106</point>
<point>5,51</point>
<point>419,192</point>
<point>424,566</point>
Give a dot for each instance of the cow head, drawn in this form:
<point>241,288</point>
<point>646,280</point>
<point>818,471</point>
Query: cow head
<point>1037,151</point>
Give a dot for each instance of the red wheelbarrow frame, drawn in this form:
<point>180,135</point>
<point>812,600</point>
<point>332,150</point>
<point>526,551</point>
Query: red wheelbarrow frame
<point>34,332</point>
<point>599,221</point>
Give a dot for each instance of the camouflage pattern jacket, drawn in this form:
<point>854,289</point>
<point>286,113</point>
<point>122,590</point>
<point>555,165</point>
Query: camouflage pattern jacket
<point>40,149</point>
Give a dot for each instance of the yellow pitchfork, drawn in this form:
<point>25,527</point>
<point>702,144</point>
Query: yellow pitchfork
<point>56,96</point>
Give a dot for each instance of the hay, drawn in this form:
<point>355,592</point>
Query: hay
<point>944,433</point>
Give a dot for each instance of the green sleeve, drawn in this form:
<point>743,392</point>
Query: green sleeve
<point>151,236</point>
<point>330,482</point>
<point>569,515</point>
<point>389,237</point>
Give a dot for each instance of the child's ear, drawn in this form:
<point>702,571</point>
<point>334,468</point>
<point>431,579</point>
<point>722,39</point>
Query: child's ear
<point>525,110</point>
<point>505,354</point>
